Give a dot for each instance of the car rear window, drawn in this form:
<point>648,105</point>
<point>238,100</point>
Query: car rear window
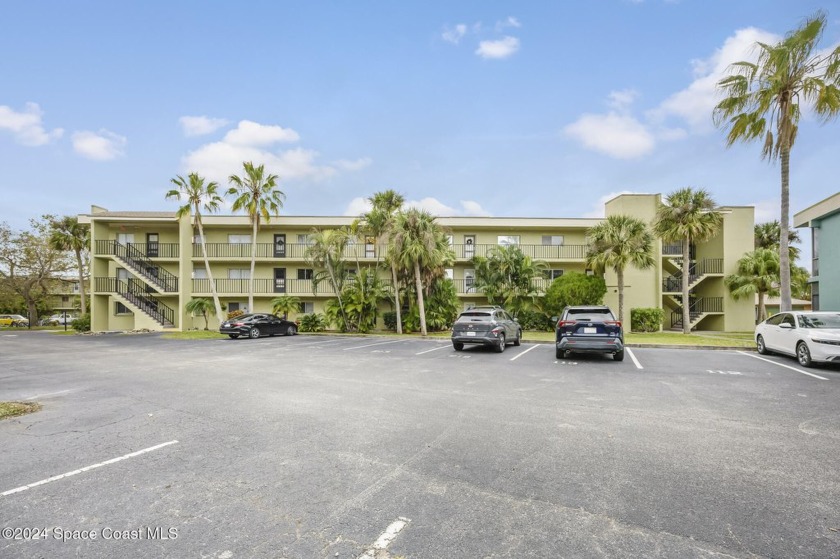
<point>476,316</point>
<point>594,314</point>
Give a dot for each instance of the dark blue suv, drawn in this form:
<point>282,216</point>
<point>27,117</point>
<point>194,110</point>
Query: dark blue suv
<point>589,329</point>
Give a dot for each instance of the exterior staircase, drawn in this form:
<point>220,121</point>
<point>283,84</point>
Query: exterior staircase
<point>699,309</point>
<point>140,265</point>
<point>134,292</point>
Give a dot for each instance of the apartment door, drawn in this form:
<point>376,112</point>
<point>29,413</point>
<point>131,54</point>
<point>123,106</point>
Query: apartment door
<point>280,245</point>
<point>469,280</point>
<point>469,246</point>
<point>152,245</point>
<point>279,280</point>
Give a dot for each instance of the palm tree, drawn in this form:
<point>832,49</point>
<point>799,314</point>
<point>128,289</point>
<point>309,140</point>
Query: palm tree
<point>758,273</point>
<point>198,196</point>
<point>414,240</point>
<point>68,234</point>
<point>258,195</point>
<point>379,221</point>
<point>326,251</point>
<point>507,276</point>
<point>616,243</point>
<point>200,305</point>
<point>285,304</point>
<point>687,215</point>
<point>762,102</point>
<point>768,235</point>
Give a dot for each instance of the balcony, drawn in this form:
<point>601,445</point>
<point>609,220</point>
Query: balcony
<point>149,250</point>
<point>299,287</point>
<point>467,286</point>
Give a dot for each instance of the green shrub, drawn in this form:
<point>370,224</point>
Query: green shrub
<point>314,322</point>
<point>574,288</point>
<point>535,320</point>
<point>646,320</point>
<point>389,318</point>
<point>81,324</point>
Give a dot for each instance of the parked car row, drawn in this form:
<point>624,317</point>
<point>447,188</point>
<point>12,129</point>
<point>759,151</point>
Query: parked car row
<point>13,320</point>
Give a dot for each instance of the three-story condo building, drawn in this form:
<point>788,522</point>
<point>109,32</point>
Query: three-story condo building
<point>146,266</point>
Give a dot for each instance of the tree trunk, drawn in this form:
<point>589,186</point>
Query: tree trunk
<point>686,311</point>
<point>620,273</point>
<point>207,267</point>
<point>81,281</point>
<point>420,303</point>
<point>253,263</point>
<point>397,298</point>
<point>337,294</point>
<point>784,253</point>
<point>762,309</point>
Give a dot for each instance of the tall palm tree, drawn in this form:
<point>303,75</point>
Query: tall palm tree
<point>67,233</point>
<point>198,196</point>
<point>688,216</point>
<point>256,193</point>
<point>762,102</point>
<point>758,273</point>
<point>616,243</point>
<point>326,251</point>
<point>414,239</point>
<point>768,235</point>
<point>379,221</point>
<point>201,306</point>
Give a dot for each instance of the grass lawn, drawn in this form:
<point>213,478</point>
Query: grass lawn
<point>194,335</point>
<point>720,339</point>
<point>11,409</point>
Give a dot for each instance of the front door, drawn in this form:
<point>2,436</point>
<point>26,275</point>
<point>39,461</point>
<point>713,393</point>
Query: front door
<point>469,246</point>
<point>279,280</point>
<point>280,245</point>
<point>152,245</point>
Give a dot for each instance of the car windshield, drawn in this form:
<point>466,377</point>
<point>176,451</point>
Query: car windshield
<point>819,320</point>
<point>475,316</point>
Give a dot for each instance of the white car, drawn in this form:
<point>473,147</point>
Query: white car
<point>61,319</point>
<point>807,335</point>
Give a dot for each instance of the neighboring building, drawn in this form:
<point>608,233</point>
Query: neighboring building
<point>773,305</point>
<point>824,220</point>
<point>66,296</point>
<point>145,266</point>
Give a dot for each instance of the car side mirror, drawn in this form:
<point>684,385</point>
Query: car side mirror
<point>555,318</point>
<point>785,325</point>
<point>516,320</point>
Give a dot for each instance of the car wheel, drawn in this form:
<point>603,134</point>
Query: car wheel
<point>458,346</point>
<point>618,355</point>
<point>759,345</point>
<point>501,347</point>
<point>559,354</point>
<point>803,355</point>
<point>234,336</point>
<point>518,340</point>
<point>254,333</point>
<point>291,330</point>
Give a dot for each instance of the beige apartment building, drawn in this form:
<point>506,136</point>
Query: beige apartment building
<point>146,266</point>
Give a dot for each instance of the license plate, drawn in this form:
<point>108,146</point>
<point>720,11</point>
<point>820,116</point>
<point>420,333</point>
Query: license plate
<point>588,330</point>
<point>470,333</point>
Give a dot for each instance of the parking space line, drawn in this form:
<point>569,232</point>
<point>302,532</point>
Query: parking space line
<point>633,357</point>
<point>85,469</point>
<point>518,355</point>
<point>783,365</point>
<point>386,538</point>
<point>371,345</point>
<point>433,349</point>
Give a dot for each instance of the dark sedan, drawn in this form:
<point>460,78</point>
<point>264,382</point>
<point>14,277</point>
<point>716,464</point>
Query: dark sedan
<point>589,330</point>
<point>255,325</point>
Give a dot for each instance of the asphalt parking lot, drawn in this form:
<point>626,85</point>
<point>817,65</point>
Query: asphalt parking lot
<point>328,446</point>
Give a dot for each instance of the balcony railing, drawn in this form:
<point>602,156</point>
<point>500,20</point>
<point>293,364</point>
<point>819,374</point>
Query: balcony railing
<point>136,292</point>
<point>149,250</point>
<point>468,286</point>
<point>300,287</point>
<point>130,255</point>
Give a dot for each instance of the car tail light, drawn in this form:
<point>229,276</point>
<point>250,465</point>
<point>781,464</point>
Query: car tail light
<point>613,323</point>
<point>563,323</point>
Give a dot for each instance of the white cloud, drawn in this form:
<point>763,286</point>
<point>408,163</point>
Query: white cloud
<point>619,136</point>
<point>99,146</point>
<point>200,125</point>
<point>598,209</point>
<point>26,126</point>
<point>356,165</point>
<point>503,48</point>
<point>454,34</point>
<point>250,133</point>
<point>694,104</point>
<point>621,100</point>
<point>767,210</point>
<point>509,22</point>
<point>438,208</point>
<point>358,206</point>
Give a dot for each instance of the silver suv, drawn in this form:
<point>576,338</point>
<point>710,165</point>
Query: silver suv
<point>490,326</point>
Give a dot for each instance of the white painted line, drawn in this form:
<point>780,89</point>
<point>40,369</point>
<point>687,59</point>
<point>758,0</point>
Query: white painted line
<point>434,349</point>
<point>386,538</point>
<point>35,397</point>
<point>518,355</point>
<point>633,357</point>
<point>85,469</point>
<point>371,345</point>
<point>783,365</point>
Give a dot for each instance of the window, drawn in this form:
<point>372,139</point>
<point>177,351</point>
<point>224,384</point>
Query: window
<point>125,238</point>
<point>199,273</point>
<point>307,307</point>
<point>449,272</point>
<point>552,240</point>
<point>75,288</point>
<point>304,273</point>
<point>506,240</point>
<point>304,239</point>
<point>234,306</point>
<point>119,308</point>
<point>370,247</point>
<point>239,239</point>
<point>239,273</point>
<point>788,319</point>
<point>65,300</point>
<point>553,274</point>
<point>451,240</point>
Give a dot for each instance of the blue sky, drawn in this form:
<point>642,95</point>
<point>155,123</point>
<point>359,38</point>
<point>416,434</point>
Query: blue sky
<point>467,108</point>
